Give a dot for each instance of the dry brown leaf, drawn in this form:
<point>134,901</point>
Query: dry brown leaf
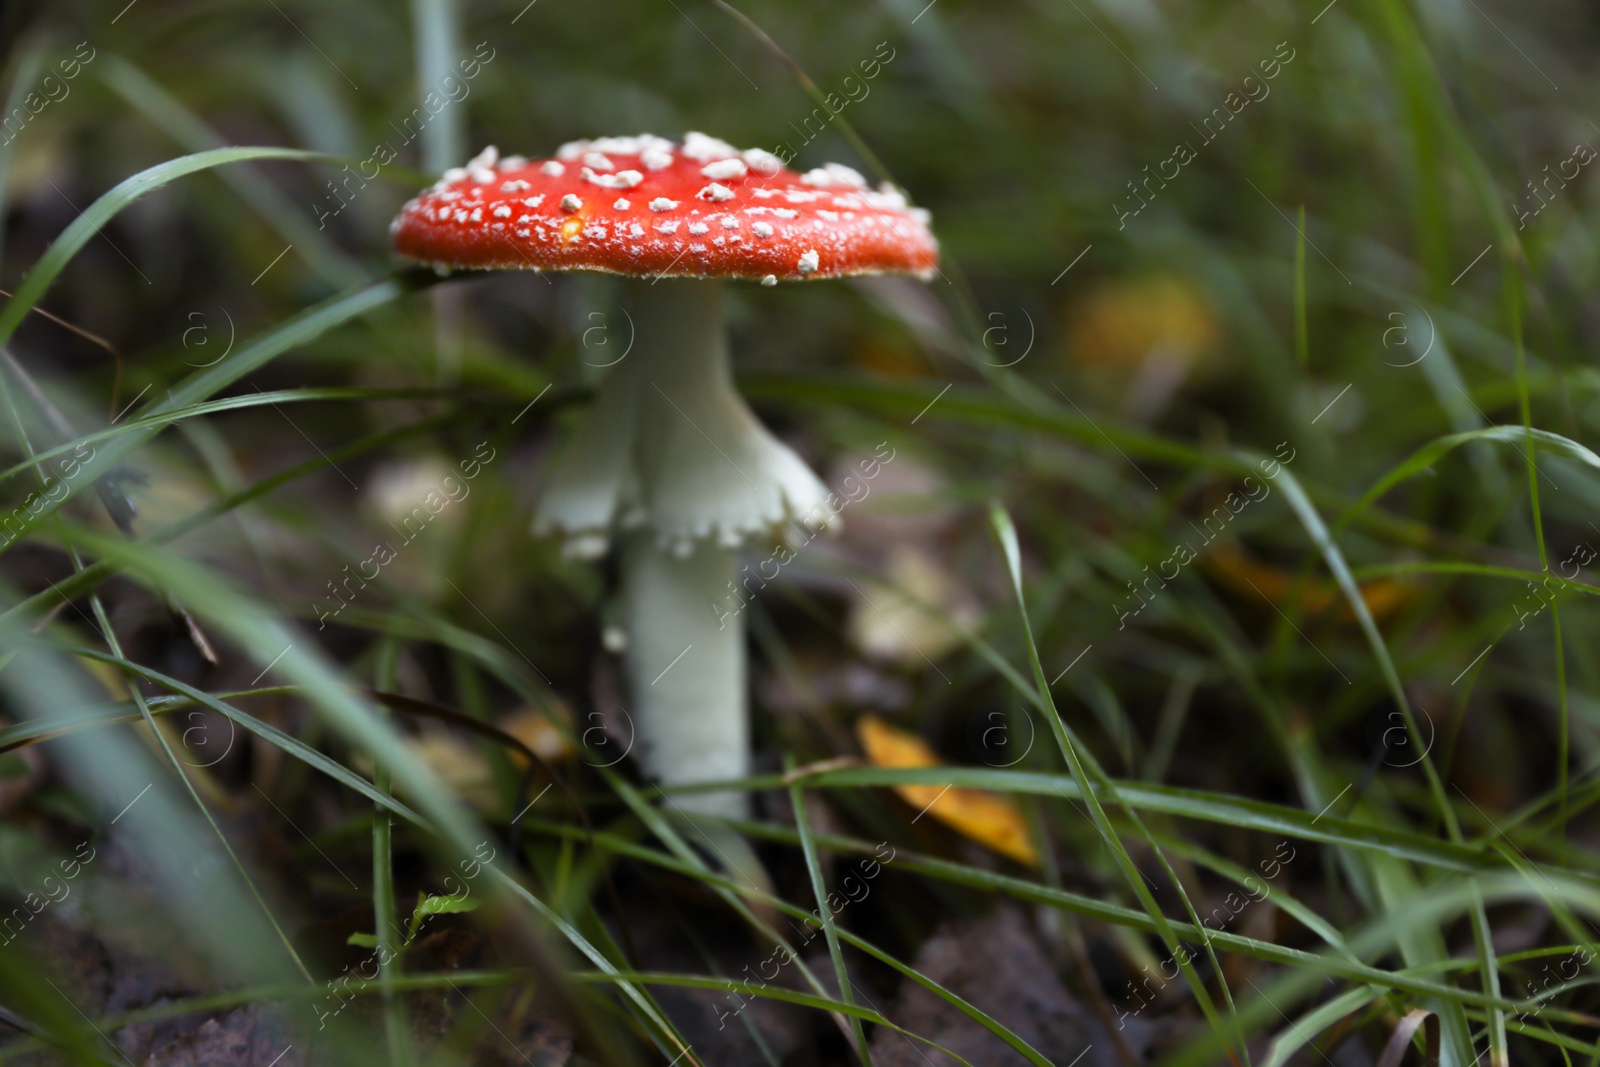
<point>460,764</point>
<point>916,619</point>
<point>987,818</point>
<point>534,729</point>
<point>1385,597</point>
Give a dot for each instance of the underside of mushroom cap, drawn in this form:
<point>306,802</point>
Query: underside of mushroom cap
<point>656,470</point>
<point>672,449</point>
<point>712,472</point>
<point>647,206</point>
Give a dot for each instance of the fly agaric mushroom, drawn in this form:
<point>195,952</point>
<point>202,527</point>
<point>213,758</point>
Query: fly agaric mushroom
<point>671,460</point>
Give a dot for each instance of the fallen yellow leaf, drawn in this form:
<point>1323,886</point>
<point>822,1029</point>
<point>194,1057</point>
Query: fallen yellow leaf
<point>987,818</point>
<point>1125,322</point>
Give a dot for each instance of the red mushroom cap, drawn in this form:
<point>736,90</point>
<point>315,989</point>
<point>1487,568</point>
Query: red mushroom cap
<point>649,206</point>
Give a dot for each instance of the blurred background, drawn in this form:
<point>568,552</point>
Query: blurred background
<point>1232,299</point>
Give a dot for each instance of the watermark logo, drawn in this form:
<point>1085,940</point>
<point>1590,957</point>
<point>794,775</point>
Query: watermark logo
<point>52,89</point>
<point>203,728</point>
<point>1582,155</point>
<point>1398,747</point>
<point>997,741</point>
<point>597,737</point>
<point>996,338</point>
<point>852,90</point>
<point>597,339</point>
<point>1398,337</point>
<point>197,337</point>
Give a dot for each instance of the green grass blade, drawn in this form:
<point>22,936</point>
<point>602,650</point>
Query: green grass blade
<point>633,850</point>
<point>102,622</point>
<point>302,328</point>
<point>436,33</point>
<point>90,221</point>
<point>90,577</point>
<point>384,908</point>
<point>1429,454</point>
<point>290,744</point>
<point>825,912</point>
<point>161,420</point>
<point>135,793</point>
<point>664,832</point>
<point>294,657</point>
<point>1076,763</point>
<point>771,992</point>
<point>1309,968</point>
<point>189,130</point>
<point>1300,1032</point>
<point>1419,946</point>
<point>1219,808</point>
<point>1302,334</point>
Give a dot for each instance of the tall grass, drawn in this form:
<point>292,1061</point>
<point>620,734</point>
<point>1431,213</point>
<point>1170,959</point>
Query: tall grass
<point>1412,708</point>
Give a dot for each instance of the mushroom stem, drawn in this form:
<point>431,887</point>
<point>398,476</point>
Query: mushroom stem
<point>709,475</point>
<point>674,457</point>
<point>686,667</point>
